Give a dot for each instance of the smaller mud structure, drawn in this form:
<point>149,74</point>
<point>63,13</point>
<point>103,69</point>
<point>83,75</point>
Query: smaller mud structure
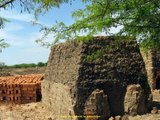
<point>152,64</point>
<point>21,88</point>
<point>95,79</point>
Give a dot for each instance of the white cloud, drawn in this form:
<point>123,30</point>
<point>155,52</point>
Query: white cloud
<point>13,27</point>
<point>13,15</point>
<point>10,34</point>
<point>39,22</point>
<point>11,38</point>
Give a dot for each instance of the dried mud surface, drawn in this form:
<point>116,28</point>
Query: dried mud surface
<point>32,111</point>
<point>37,111</point>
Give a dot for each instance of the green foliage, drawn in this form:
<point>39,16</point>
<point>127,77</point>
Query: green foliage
<point>139,18</point>
<point>2,21</point>
<point>24,65</point>
<point>114,45</point>
<point>3,44</point>
<point>45,5</point>
<point>41,64</point>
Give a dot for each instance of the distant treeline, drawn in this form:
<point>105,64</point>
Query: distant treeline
<point>25,65</point>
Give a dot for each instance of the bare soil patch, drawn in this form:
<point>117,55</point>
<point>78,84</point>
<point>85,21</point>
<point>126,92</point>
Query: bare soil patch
<point>37,111</point>
<point>32,111</point>
<point>22,71</point>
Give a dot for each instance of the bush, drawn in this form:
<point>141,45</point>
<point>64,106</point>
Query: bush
<point>39,64</point>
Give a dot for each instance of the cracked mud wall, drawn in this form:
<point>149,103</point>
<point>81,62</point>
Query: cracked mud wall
<point>152,65</point>
<point>148,59</point>
<point>58,88</point>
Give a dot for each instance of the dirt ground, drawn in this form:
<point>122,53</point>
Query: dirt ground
<point>22,71</point>
<point>37,111</point>
<point>32,111</point>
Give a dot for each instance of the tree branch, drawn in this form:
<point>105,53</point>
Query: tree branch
<point>144,26</point>
<point>3,4</point>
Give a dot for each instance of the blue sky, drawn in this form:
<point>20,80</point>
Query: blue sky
<point>21,34</point>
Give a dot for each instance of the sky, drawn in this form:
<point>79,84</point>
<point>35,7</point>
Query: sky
<point>21,34</point>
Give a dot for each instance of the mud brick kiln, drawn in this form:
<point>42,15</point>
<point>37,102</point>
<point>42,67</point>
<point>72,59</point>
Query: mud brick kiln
<point>80,83</point>
<point>20,89</point>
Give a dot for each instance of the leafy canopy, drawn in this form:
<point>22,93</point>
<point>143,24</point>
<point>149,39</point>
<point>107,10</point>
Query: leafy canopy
<point>139,18</point>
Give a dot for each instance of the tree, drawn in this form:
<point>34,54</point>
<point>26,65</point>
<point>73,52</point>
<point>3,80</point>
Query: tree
<point>40,64</point>
<point>139,18</point>
<point>2,64</point>
<point>3,44</point>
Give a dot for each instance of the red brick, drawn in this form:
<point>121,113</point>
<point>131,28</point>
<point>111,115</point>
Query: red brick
<point>26,85</point>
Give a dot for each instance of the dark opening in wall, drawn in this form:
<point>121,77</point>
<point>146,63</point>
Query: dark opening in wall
<point>4,98</point>
<point>16,91</point>
<point>3,91</point>
<point>38,95</point>
<point>158,82</point>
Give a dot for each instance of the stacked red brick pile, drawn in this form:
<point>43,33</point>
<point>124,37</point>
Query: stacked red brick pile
<point>21,88</point>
